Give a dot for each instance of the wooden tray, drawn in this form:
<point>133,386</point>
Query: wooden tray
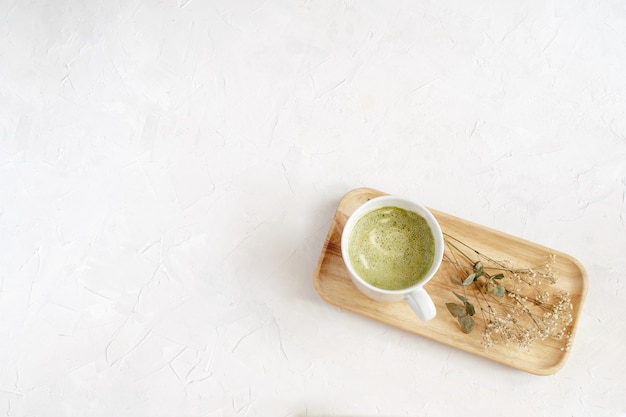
<point>333,284</point>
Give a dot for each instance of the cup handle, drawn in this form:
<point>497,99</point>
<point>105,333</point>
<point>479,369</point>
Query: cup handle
<point>421,304</point>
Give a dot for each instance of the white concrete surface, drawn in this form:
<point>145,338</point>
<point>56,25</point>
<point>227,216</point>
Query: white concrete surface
<point>169,170</point>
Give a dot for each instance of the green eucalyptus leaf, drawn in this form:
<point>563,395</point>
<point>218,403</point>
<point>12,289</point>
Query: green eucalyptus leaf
<point>498,291</point>
<point>469,308</point>
<point>478,266</point>
<point>466,323</point>
<point>499,276</point>
<point>460,297</point>
<point>455,281</point>
<point>469,279</point>
<point>456,310</point>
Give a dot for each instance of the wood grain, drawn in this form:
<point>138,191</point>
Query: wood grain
<point>333,284</point>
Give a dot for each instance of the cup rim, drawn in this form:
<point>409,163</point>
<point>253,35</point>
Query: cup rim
<point>406,204</point>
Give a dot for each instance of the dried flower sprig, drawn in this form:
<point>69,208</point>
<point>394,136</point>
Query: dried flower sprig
<point>513,303</point>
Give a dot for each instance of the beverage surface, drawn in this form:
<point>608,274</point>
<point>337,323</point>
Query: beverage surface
<point>392,248</point>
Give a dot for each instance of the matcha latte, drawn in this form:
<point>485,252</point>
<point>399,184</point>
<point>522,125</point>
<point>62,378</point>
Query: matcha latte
<point>392,248</point>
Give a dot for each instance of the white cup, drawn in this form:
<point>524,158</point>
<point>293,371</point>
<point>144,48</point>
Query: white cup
<point>416,297</point>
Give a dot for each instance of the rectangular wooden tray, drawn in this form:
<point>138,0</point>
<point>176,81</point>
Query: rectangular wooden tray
<point>333,284</point>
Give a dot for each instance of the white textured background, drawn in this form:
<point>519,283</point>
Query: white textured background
<point>169,170</point>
